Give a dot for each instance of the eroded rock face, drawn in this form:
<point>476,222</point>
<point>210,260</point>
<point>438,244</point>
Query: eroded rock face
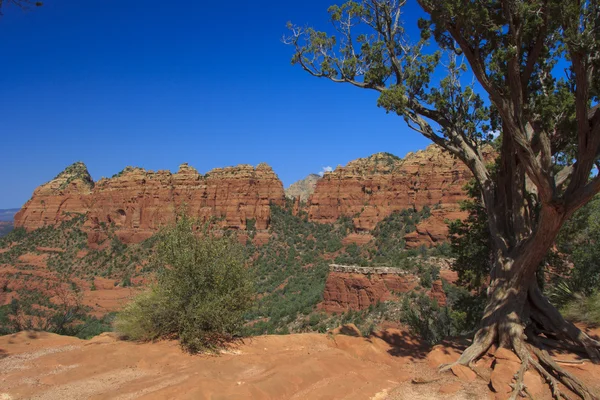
<point>138,202</point>
<point>434,230</point>
<point>356,291</point>
<point>351,287</point>
<point>70,191</point>
<point>369,189</point>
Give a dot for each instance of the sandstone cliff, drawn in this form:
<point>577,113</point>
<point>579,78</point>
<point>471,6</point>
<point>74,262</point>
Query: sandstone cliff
<point>356,288</point>
<point>137,202</point>
<point>369,189</point>
<point>69,192</point>
<point>304,188</point>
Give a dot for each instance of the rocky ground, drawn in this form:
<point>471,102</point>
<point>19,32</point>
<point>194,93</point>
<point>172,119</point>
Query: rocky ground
<point>388,365</point>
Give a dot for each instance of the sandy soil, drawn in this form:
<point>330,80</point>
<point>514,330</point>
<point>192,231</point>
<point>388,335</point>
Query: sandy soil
<point>306,366</point>
<point>391,365</point>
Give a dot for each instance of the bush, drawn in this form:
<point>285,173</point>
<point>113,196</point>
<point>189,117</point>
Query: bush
<point>200,296</point>
<point>584,309</point>
<point>426,318</point>
<point>432,322</point>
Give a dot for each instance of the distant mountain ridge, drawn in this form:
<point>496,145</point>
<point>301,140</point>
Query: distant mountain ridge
<point>303,188</point>
<point>137,202</point>
<point>8,214</point>
<point>6,220</point>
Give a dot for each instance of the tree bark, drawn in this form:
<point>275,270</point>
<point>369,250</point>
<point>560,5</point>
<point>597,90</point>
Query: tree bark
<point>519,317</point>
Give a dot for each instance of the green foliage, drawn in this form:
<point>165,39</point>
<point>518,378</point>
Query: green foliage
<point>291,270</point>
<point>580,238</point>
<point>470,243</point>
<point>58,309</point>
<point>67,236</point>
<point>433,323</point>
<point>201,292</point>
<point>352,256</point>
<point>389,235</point>
<point>585,309</point>
<point>467,308</point>
<point>426,318</point>
<point>427,274</point>
<point>75,171</point>
<point>371,50</point>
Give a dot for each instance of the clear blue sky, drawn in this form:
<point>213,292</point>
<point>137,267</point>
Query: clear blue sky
<point>154,84</point>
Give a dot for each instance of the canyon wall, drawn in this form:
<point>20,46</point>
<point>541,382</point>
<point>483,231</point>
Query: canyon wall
<point>137,202</point>
<point>369,189</point>
<point>351,287</point>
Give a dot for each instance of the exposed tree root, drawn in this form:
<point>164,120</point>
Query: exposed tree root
<point>519,385</point>
<point>522,333</point>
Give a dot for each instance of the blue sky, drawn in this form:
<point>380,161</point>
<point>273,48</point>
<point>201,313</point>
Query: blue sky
<point>155,84</point>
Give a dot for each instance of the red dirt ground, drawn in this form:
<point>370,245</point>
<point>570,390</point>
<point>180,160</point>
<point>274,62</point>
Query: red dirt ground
<point>389,365</point>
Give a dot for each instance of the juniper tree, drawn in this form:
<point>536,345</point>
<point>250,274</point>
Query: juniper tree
<point>531,69</point>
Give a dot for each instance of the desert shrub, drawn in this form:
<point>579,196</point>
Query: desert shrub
<point>467,308</point>
<point>201,293</point>
<point>428,274</point>
<point>430,321</point>
<point>471,243</point>
<point>584,309</point>
<point>59,309</point>
<point>91,326</point>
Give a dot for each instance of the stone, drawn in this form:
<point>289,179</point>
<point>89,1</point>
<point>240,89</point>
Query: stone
<point>138,202</point>
<point>464,373</point>
<point>450,388</point>
<point>437,293</point>
<point>356,291</point>
<point>533,383</point>
<point>502,375</point>
<point>370,189</point>
<point>303,189</point>
<point>505,354</point>
<point>441,355</point>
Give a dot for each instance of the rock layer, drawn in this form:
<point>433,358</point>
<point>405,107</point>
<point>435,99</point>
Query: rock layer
<point>351,287</point>
<point>369,189</point>
<point>138,202</point>
<point>356,291</point>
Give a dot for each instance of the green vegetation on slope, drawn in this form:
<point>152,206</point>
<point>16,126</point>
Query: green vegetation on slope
<point>291,269</point>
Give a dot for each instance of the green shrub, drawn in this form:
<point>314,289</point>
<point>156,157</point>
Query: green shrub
<point>430,321</point>
<point>200,296</point>
<point>584,309</point>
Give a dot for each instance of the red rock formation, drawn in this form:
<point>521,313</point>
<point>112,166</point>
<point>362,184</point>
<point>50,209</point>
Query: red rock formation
<point>437,293</point>
<point>433,230</point>
<point>358,238</point>
<point>50,204</point>
<point>356,288</point>
<point>356,291</point>
<point>137,202</point>
<point>370,189</point>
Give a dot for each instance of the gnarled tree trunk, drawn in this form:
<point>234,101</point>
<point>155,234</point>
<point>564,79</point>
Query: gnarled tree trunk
<point>519,317</point>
